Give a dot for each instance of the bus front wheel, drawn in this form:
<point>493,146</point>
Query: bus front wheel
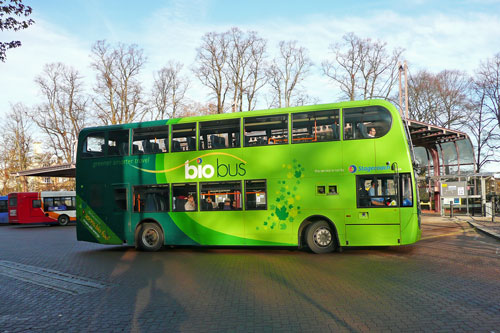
<point>320,237</point>
<point>63,220</point>
<point>149,237</point>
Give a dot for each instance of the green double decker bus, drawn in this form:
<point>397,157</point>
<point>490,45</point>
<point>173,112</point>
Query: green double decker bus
<point>322,176</point>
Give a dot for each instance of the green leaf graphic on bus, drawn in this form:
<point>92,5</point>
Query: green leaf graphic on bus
<point>285,209</point>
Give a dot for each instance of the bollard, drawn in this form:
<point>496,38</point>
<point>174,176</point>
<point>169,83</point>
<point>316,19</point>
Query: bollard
<point>451,208</point>
<point>493,210</point>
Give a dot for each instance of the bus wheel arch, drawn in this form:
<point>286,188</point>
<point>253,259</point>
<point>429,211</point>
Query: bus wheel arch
<point>63,219</point>
<point>322,226</point>
<point>149,236</point>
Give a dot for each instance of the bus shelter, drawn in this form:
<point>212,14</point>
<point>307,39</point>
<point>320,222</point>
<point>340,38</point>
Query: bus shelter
<point>446,170</point>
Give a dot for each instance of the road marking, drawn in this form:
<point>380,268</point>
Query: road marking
<point>449,234</point>
<point>55,280</point>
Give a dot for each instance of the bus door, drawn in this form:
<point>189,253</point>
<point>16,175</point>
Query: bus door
<point>120,214</point>
<point>376,218</point>
<point>34,204</point>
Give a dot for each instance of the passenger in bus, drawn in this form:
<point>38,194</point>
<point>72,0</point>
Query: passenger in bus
<point>210,204</point>
<point>372,193</point>
<point>227,204</point>
<point>372,132</point>
<point>348,131</point>
<point>190,205</point>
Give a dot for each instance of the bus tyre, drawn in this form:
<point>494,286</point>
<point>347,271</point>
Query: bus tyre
<point>149,237</point>
<point>320,237</point>
<point>63,220</point>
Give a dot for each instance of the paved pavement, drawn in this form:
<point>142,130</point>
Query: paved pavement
<point>448,281</point>
<point>484,224</point>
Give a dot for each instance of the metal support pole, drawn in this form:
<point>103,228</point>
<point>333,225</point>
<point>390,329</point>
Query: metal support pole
<point>451,208</point>
<point>400,68</point>
<point>406,89</point>
<point>493,209</point>
<point>467,195</point>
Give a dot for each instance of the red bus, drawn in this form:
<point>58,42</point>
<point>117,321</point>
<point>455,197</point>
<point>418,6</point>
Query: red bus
<point>45,207</point>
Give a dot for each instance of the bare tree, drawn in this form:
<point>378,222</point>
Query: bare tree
<point>16,148</point>
<point>480,123</point>
<point>169,90</point>
<point>440,99</point>
<point>64,112</point>
<point>286,72</point>
<point>423,97</point>
<point>118,91</point>
<point>363,68</point>
<point>231,63</point>
<point>193,109</point>
<point>211,68</point>
<point>10,22</point>
<point>452,88</point>
<point>489,75</point>
<point>246,53</point>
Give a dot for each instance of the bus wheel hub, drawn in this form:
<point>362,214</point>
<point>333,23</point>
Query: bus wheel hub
<point>322,237</point>
<point>150,237</point>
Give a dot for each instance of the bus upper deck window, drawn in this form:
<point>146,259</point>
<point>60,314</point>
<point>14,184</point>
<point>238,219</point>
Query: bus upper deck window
<point>315,126</point>
<point>94,145</point>
<point>150,140</point>
<point>118,143</point>
<point>266,130</point>
<point>366,122</point>
<point>220,134</point>
<point>183,137</point>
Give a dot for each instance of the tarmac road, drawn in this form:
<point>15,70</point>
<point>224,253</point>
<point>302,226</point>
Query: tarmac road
<point>448,281</point>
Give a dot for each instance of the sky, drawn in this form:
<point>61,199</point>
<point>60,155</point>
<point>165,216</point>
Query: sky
<point>436,35</point>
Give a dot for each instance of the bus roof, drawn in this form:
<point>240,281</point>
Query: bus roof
<point>255,113</point>
<point>57,193</point>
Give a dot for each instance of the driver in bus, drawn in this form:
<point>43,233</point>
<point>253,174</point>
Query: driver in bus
<point>372,193</point>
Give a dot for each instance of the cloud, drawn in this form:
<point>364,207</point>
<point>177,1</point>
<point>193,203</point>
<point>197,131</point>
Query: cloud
<point>42,43</point>
<point>434,41</point>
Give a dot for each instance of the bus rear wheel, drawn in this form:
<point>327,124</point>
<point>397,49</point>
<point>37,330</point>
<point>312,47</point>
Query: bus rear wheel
<point>63,220</point>
<point>320,237</point>
<point>149,237</point>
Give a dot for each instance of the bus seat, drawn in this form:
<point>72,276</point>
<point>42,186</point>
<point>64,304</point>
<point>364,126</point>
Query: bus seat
<point>146,146</point>
<point>156,147</point>
<point>113,151</point>
<point>335,130</point>
<point>206,205</point>
<point>150,205</point>
<point>191,143</point>
<point>214,141</point>
<point>222,142</point>
<point>179,204</point>
<point>123,148</point>
<point>221,206</point>
<point>362,131</point>
<point>237,140</point>
<point>135,149</point>
<point>176,146</point>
